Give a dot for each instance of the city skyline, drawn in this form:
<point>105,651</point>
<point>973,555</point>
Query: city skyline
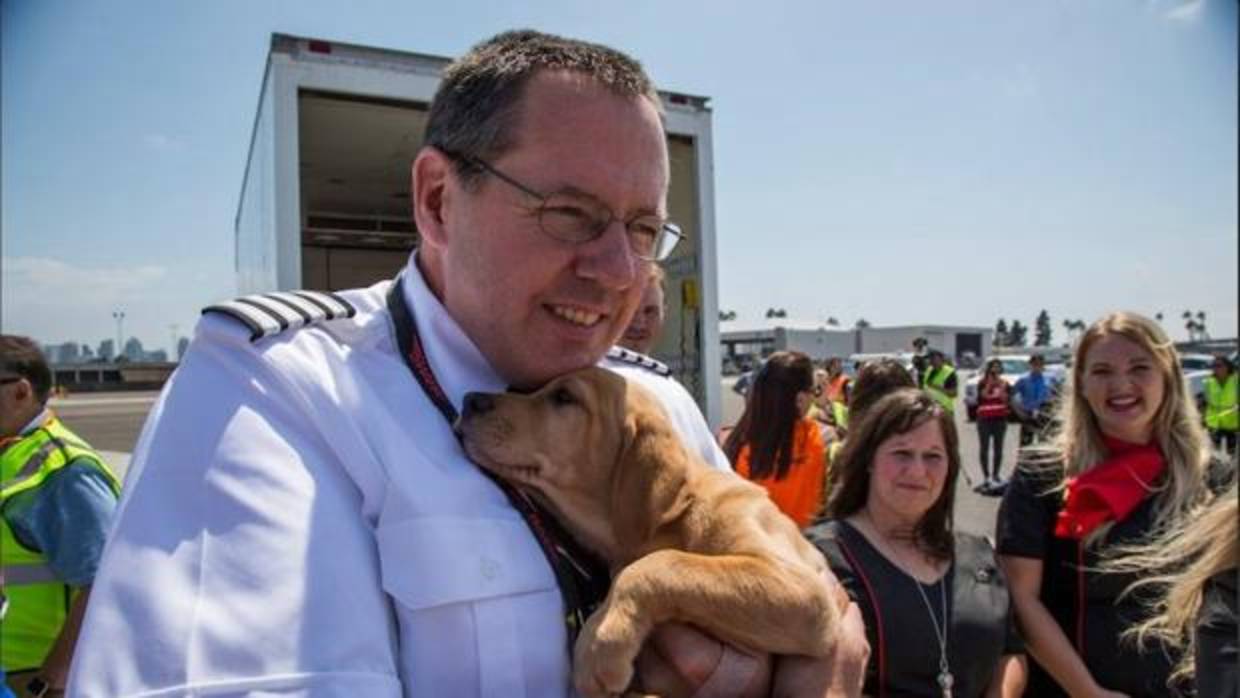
<point>132,350</point>
<point>1063,332</point>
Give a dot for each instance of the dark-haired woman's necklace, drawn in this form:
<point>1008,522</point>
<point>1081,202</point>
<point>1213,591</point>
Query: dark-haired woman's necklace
<point>944,678</point>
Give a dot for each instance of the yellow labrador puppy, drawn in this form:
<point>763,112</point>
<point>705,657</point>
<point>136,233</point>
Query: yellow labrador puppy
<point>685,542</point>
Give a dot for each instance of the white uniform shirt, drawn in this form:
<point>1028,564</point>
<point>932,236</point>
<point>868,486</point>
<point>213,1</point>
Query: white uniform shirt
<point>299,520</point>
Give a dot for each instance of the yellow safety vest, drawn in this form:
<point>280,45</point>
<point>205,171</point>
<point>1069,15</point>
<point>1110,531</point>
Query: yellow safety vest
<point>839,412</point>
<point>1221,409</point>
<point>38,601</point>
<point>935,380</point>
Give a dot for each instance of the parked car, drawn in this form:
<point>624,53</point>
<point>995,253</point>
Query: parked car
<point>1196,368</point>
<point>969,360</point>
<point>741,386</point>
<point>1196,362</point>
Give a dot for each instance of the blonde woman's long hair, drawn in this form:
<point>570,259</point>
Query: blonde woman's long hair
<point>1188,554</point>
<point>1078,445</point>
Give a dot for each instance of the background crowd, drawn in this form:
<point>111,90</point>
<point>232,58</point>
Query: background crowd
<point>1113,571</point>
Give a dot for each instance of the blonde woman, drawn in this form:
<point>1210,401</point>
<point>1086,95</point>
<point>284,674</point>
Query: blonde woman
<point>1130,460</point>
<point>1195,610</point>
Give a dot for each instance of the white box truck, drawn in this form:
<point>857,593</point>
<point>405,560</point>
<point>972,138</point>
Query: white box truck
<point>325,196</point>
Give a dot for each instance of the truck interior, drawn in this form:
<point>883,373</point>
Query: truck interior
<point>354,166</point>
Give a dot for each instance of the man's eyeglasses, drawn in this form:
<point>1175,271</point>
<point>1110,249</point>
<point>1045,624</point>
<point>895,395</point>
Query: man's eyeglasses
<point>578,219</point>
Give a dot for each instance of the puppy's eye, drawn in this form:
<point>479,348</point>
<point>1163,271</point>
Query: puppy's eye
<point>563,397</point>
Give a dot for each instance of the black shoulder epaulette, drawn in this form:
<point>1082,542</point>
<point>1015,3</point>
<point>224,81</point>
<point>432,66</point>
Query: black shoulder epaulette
<point>269,314</point>
<point>629,356</point>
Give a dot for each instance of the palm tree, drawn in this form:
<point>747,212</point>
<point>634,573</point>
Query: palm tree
<point>1196,325</point>
<point>1074,328</point>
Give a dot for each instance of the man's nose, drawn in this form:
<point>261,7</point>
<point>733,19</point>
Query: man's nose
<point>478,403</point>
<point>608,259</point>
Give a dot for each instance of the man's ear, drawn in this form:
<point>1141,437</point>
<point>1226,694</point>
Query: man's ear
<point>430,179</point>
<point>24,391</point>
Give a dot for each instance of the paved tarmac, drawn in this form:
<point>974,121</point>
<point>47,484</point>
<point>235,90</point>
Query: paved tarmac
<point>108,421</point>
<point>111,422</point>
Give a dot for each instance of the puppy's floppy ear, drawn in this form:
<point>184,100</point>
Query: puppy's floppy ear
<point>651,467</point>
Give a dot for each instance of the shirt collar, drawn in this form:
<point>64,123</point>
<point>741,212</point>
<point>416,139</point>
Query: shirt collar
<point>37,422</point>
<point>457,363</point>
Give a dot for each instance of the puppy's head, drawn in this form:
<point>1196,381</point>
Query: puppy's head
<point>561,443</point>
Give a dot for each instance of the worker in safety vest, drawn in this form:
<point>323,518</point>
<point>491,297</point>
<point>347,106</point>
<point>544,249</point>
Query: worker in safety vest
<point>838,391</point>
<point>57,498</point>
<point>1222,418</point>
<point>940,381</point>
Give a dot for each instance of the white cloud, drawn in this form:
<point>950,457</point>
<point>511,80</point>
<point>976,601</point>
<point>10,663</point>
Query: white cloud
<point>55,300</point>
<point>1187,11</point>
<point>41,278</point>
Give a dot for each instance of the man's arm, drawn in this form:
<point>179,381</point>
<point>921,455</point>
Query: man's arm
<point>949,385</point>
<point>680,660</point>
<point>55,670</point>
<point>67,519</point>
<point>1016,400</point>
<point>240,558</point>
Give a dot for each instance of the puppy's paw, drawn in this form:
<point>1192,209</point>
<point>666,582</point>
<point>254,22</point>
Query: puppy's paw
<point>599,678</point>
<point>603,659</point>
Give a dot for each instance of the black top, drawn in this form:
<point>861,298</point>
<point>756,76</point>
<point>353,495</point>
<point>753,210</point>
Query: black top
<point>1025,528</point>
<point>1216,639</point>
<point>897,623</point>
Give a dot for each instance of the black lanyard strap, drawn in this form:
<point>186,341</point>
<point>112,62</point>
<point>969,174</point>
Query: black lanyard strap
<point>582,578</point>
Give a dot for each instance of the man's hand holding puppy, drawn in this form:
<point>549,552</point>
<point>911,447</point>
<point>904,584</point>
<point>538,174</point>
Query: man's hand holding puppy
<point>679,660</point>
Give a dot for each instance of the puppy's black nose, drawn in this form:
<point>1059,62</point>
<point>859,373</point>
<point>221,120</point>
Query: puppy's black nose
<point>478,403</point>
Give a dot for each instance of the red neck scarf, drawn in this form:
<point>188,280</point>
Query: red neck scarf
<point>1110,490</point>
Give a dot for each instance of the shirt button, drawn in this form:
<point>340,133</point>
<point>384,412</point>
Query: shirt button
<point>490,568</point>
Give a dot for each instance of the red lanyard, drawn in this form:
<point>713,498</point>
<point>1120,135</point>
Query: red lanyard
<point>582,578</point>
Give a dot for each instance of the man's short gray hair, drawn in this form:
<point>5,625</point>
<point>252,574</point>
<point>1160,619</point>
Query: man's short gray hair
<point>474,111</point>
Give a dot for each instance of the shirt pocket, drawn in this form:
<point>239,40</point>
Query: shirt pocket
<point>478,609</point>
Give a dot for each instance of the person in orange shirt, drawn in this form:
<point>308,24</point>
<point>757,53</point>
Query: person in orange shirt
<point>775,444</point>
<point>839,385</point>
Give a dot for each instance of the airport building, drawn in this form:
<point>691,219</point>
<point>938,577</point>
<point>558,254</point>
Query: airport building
<point>741,346</point>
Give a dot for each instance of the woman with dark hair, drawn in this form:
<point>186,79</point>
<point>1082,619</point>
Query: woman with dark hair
<point>993,395</point>
<point>874,380</point>
<point>775,444</point>
<point>936,607</point>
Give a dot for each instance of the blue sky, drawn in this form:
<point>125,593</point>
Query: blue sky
<point>947,162</point>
